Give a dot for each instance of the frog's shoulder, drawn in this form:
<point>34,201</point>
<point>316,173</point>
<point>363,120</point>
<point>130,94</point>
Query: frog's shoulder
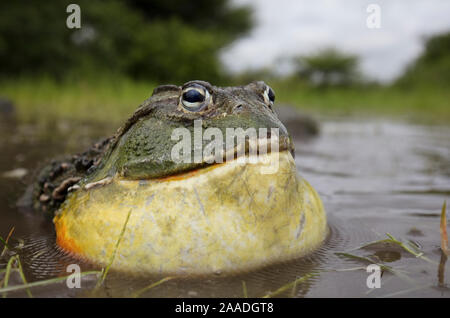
<point>56,179</point>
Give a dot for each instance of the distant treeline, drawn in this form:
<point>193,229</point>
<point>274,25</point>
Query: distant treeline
<point>432,67</point>
<point>161,40</point>
<point>169,41</point>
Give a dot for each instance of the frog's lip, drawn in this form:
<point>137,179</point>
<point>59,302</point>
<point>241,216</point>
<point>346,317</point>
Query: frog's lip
<point>260,146</point>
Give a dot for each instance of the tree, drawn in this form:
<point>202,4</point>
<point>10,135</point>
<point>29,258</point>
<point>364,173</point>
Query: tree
<point>328,67</point>
<point>215,16</point>
<point>432,67</point>
<point>163,40</point>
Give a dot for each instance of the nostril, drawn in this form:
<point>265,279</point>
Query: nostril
<point>238,107</point>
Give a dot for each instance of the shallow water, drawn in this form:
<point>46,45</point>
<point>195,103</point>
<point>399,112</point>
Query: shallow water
<point>374,178</point>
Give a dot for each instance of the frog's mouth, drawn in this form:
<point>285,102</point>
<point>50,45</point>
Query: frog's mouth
<point>264,151</point>
<point>164,166</point>
<point>256,148</point>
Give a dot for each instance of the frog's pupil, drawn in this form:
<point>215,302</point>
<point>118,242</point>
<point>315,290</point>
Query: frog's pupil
<point>271,95</point>
<point>193,96</point>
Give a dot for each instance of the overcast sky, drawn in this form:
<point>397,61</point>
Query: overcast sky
<point>286,28</point>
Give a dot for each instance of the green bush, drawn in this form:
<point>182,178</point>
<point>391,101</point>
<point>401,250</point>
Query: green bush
<point>169,40</point>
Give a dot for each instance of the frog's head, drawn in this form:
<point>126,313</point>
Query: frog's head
<point>144,147</point>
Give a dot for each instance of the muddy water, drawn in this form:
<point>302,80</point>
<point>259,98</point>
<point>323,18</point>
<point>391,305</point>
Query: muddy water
<point>374,178</point>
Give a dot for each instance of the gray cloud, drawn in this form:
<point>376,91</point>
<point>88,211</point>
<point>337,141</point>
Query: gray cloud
<point>286,28</point>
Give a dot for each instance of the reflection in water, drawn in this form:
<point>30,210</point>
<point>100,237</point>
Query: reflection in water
<point>441,270</point>
<point>374,178</point>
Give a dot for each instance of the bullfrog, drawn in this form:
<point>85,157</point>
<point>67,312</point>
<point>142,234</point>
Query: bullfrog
<point>157,198</point>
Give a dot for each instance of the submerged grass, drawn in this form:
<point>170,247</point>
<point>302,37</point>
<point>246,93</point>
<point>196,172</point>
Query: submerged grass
<point>413,250</point>
<point>290,285</point>
<point>44,282</point>
<point>382,266</point>
<point>410,248</point>
<point>143,290</point>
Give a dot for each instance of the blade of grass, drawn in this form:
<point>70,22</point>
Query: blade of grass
<point>443,228</point>
<point>409,250</point>
<point>392,240</point>
<point>294,289</point>
<point>22,275</point>
<point>441,270</point>
<point>289,285</point>
<point>359,268</point>
<point>8,270</point>
<point>8,273</point>
<point>382,266</point>
<point>143,290</point>
<point>369,244</point>
<point>43,282</point>
<point>403,292</point>
<point>244,289</point>
<point>113,256</point>
<point>366,260</point>
<point>6,241</point>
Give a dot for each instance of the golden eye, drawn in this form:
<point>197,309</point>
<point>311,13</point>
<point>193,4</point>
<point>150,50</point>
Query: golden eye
<point>195,98</point>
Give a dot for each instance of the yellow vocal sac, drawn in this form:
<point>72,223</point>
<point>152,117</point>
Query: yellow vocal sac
<point>224,218</point>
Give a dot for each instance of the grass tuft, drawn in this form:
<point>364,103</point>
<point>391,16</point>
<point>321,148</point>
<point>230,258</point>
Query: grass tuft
<point>443,230</point>
<point>409,247</point>
<point>14,264</point>
<point>113,256</point>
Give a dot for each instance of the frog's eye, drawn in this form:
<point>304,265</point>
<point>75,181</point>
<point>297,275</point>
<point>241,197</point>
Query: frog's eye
<point>269,96</point>
<point>195,98</point>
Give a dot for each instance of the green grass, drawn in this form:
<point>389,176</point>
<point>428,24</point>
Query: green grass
<point>423,104</point>
<point>102,100</point>
<point>112,99</point>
